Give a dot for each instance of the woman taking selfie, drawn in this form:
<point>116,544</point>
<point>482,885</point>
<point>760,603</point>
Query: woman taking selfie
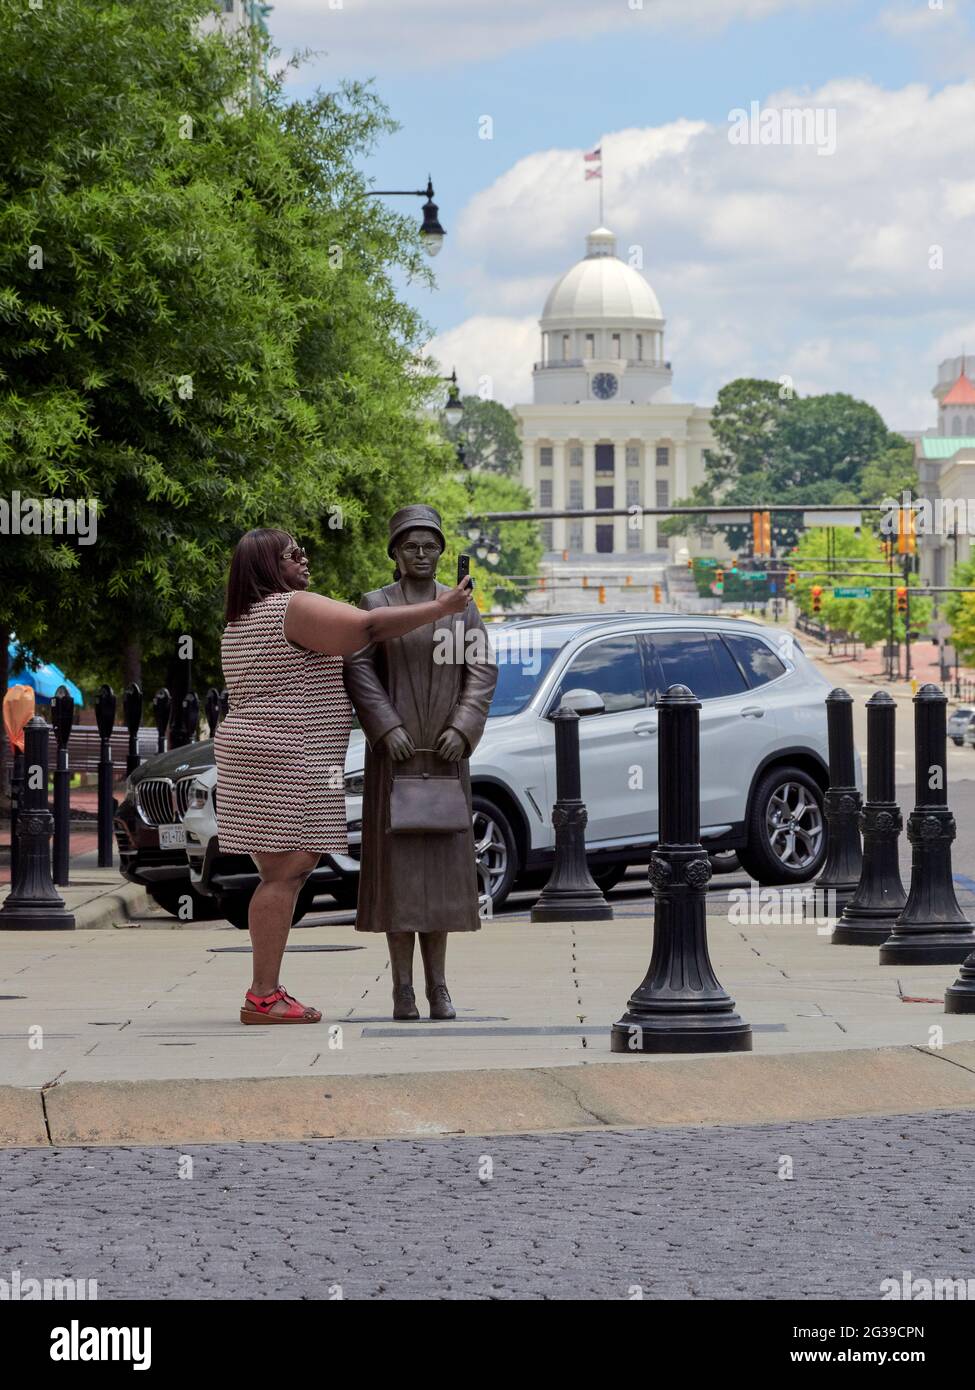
<point>281,750</point>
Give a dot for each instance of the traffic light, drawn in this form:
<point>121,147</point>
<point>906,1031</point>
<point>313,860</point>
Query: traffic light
<point>817,597</point>
<point>906,526</point>
<point>761,533</point>
<point>793,578</point>
<point>902,600</point>
<point>719,581</point>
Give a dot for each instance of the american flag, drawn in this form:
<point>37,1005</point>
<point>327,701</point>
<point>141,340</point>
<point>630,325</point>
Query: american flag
<point>592,157</point>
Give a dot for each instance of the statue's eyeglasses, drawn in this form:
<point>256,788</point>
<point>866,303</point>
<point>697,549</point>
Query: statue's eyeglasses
<point>296,553</point>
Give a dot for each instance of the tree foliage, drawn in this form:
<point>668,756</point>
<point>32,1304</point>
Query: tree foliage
<point>199,328</point>
<point>773,446</point>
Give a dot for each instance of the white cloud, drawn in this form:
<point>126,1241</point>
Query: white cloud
<point>766,259</point>
<point>493,356</point>
<point>379,35</point>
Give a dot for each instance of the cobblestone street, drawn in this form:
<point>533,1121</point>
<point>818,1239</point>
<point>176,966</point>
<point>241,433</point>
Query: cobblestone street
<point>680,1213</point>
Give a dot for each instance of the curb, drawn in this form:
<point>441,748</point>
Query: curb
<point>734,1089</point>
<point>113,908</point>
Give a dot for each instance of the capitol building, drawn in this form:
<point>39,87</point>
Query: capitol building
<point>603,428</point>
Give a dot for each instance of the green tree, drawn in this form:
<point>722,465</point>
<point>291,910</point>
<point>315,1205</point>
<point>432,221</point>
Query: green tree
<point>773,446</point>
<point>960,611</point>
<point>490,437</point>
<point>866,619</point>
<point>200,329</point>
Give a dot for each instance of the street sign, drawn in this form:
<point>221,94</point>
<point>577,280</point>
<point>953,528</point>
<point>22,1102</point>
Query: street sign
<point>753,574</point>
<point>852,593</point>
<point>814,518</point>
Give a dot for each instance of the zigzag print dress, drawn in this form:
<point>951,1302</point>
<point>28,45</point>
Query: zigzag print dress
<point>281,750</point>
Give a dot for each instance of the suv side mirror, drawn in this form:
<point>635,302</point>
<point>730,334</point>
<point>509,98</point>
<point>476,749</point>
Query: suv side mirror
<point>583,701</point>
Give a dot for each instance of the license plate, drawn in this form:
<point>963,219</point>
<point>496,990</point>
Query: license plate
<point>172,837</point>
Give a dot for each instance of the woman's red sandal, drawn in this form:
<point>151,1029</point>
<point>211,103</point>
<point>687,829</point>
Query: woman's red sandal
<point>261,1006</point>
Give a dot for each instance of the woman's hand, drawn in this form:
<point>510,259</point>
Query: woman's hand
<point>456,600</point>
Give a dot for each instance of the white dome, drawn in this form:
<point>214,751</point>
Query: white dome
<point>601,289</point>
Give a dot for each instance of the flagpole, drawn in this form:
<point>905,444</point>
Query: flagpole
<point>601,167</point>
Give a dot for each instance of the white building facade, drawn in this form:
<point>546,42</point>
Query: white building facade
<point>603,429</point>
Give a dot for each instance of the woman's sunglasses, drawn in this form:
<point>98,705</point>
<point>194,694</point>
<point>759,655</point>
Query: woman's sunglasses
<point>296,553</point>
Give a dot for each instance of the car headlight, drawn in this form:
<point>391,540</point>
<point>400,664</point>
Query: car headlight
<point>198,796</point>
<point>355,783</point>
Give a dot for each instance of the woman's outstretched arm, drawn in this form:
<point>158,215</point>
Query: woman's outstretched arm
<point>337,629</point>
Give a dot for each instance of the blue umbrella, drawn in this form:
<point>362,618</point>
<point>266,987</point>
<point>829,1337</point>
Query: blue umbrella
<point>45,679</point>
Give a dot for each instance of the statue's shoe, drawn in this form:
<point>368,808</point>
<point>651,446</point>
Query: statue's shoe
<point>440,1005</point>
<point>404,1003</point>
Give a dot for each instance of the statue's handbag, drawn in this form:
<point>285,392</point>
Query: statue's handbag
<point>421,803</point>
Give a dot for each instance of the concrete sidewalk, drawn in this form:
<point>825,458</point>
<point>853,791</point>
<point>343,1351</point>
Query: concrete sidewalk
<point>139,1039</point>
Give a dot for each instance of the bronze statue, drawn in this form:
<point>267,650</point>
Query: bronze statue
<point>422,700</point>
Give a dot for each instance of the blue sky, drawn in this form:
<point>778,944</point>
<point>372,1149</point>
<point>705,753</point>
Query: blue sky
<point>766,261</point>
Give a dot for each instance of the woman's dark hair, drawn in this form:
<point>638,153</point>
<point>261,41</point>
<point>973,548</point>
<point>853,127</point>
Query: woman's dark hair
<point>255,569</point>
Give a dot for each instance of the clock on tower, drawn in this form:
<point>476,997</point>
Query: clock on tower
<point>604,386</point>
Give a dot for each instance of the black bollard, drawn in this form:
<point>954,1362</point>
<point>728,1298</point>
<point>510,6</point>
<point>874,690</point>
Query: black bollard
<point>160,710</point>
<point>212,708</point>
<point>62,717</point>
<point>105,703</point>
<point>680,1006</point>
<point>132,705</point>
<point>16,792</point>
<point>869,916</point>
<point>571,894</point>
<point>33,903</point>
<point>840,874</point>
<point>191,717</point>
<point>932,929</point>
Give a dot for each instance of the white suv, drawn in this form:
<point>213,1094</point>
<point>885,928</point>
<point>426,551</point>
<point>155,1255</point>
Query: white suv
<point>764,755</point>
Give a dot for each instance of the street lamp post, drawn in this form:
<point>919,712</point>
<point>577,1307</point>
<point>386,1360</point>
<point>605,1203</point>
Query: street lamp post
<point>431,232</point>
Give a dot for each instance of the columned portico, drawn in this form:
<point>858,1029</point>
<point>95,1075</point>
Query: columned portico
<point>619,496</point>
<point>558,494</point>
<point>589,495</point>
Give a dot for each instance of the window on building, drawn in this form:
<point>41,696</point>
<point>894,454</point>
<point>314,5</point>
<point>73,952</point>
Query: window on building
<point>545,492</point>
<point>634,538</point>
<point>956,426</point>
<point>639,347</point>
<point>547,537</point>
<point>605,458</point>
<point>590,345</point>
<point>617,345</point>
<point>604,496</point>
<point>604,539</point>
<point>663,492</point>
<point>633,456</point>
<point>545,456</point>
<point>565,347</point>
<point>575,455</point>
<point>575,495</point>
<point>228,6</point>
<point>574,538</point>
<point>970,426</point>
<point>663,456</point>
<point>632,491</point>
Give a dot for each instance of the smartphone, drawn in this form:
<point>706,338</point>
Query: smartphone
<point>464,569</point>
